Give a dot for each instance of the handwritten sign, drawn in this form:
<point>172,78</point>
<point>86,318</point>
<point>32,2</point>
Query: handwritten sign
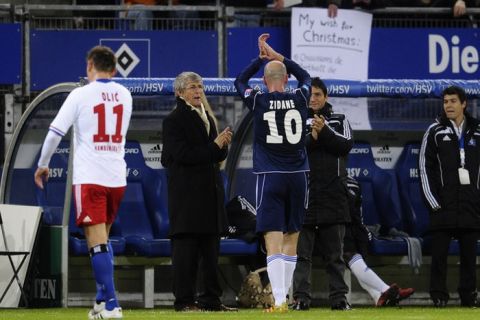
<point>354,109</point>
<point>331,48</point>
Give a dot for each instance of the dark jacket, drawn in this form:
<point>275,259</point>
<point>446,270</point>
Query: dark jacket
<point>195,186</point>
<point>327,156</point>
<point>451,204</point>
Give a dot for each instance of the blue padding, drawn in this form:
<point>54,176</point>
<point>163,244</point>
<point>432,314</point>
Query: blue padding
<point>22,186</point>
<point>391,246</point>
<point>453,249</point>
<point>237,247</point>
<point>245,184</point>
<point>78,245</point>
<point>380,201</point>
<point>416,213</point>
<point>143,213</point>
<point>52,197</point>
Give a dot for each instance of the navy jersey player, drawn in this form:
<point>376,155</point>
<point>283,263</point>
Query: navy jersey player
<point>279,160</point>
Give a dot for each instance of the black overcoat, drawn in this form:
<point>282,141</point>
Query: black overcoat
<point>195,186</point>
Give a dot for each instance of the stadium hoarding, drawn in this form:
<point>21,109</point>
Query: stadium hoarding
<point>395,53</point>
<point>424,53</point>
<point>11,62</point>
<point>59,56</point>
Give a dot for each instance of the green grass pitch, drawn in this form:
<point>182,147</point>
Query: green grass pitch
<point>360,313</point>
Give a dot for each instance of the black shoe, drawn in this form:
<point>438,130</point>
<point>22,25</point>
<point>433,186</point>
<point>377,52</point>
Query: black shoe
<point>299,305</point>
<point>342,306</point>
<point>439,303</point>
<point>219,308</point>
<point>469,300</point>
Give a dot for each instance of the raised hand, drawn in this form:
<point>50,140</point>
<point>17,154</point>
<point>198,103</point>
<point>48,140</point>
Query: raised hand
<point>262,40</point>
<point>459,8</point>
<point>332,10</point>
<point>266,51</point>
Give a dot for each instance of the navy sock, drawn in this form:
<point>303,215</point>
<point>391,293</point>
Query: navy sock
<point>103,270</point>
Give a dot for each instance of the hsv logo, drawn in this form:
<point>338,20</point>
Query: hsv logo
<point>55,172</point>
<point>134,172</point>
<point>338,89</point>
<point>413,173</point>
<point>354,172</point>
<point>360,151</point>
<point>127,60</point>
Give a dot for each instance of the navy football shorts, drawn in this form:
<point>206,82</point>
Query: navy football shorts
<point>282,199</point>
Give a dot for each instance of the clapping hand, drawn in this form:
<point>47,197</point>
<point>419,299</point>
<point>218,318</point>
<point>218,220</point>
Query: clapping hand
<point>224,138</point>
<point>318,123</point>
<point>265,51</point>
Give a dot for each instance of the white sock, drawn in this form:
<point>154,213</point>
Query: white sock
<point>368,279</point>
<point>276,274</point>
<point>290,263</point>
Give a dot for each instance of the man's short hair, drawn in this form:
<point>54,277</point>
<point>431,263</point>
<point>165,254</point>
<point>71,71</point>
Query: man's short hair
<point>184,78</point>
<point>318,83</point>
<point>103,58</point>
<point>455,90</point>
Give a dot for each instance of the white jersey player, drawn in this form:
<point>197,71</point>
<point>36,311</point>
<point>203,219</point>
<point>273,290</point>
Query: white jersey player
<point>100,114</point>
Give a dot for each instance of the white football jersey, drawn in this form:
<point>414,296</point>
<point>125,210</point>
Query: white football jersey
<point>100,114</point>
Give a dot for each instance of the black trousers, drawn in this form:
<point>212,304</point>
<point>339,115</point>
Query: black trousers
<point>191,253</point>
<point>438,270</point>
<point>329,241</point>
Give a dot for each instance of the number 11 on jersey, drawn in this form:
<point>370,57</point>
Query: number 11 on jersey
<point>102,136</point>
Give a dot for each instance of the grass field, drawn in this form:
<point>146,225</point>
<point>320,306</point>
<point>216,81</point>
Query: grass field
<point>407,313</point>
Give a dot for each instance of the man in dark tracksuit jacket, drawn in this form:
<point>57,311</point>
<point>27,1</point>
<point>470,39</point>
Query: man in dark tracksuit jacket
<point>328,209</point>
<point>449,166</point>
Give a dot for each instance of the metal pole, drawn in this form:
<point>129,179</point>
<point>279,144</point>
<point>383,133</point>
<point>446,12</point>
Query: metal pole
<point>26,81</point>
<point>221,33</point>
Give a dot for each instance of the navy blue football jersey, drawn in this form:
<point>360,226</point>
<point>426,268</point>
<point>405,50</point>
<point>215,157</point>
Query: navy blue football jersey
<point>279,121</point>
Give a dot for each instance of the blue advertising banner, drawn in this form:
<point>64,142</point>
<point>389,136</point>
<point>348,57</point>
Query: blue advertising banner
<point>394,53</point>
<point>59,56</point>
<point>424,54</point>
<point>11,62</point>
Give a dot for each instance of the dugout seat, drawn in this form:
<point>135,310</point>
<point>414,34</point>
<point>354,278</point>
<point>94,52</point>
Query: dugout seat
<point>380,204</point>
<point>143,217</point>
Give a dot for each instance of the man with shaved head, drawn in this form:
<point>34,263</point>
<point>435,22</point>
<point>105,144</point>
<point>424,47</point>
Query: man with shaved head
<point>280,161</point>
